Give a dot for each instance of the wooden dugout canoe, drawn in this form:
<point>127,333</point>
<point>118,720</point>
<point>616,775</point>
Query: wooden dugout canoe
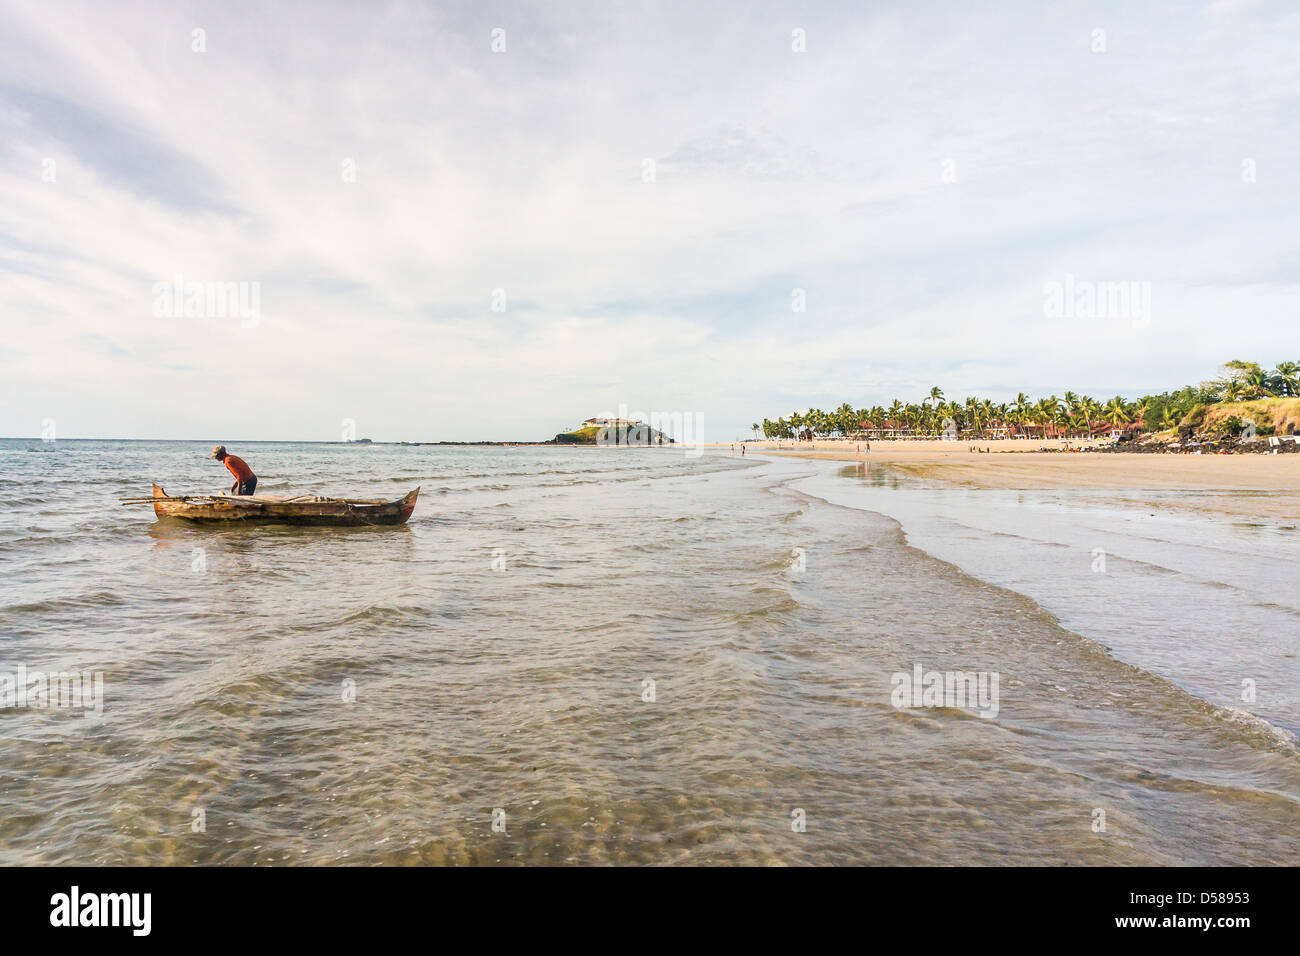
<point>285,509</point>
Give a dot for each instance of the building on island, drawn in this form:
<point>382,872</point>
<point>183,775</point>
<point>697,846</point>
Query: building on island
<point>611,423</point>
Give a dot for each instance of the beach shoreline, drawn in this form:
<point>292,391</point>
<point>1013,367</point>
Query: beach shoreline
<point>1245,486</point>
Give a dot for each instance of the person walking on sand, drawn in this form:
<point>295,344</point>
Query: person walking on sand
<point>245,480</point>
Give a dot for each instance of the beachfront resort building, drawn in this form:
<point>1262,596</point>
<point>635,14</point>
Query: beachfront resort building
<point>611,423</point>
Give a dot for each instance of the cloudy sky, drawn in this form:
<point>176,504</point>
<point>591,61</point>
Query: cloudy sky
<point>627,205</point>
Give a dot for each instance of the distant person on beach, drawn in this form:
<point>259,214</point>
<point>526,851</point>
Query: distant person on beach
<point>245,480</point>
<point>742,451</point>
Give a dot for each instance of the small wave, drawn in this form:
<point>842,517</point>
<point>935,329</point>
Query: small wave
<point>379,614</point>
<point>94,599</point>
<point>1273,735</point>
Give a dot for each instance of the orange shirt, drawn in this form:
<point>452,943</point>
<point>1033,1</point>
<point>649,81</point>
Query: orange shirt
<point>239,468</point>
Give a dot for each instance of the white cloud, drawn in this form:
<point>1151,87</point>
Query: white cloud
<point>522,171</point>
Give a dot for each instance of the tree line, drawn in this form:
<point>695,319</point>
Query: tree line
<point>1065,416</point>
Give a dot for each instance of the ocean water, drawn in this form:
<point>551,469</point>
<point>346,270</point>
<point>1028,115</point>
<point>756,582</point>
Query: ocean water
<point>1208,601</point>
<point>619,656</point>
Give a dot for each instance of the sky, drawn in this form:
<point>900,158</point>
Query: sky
<point>465,221</point>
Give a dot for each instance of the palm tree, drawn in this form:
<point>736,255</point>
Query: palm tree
<point>970,411</point>
<point>917,416</point>
<point>1117,412</point>
<point>1091,408</point>
<point>1287,378</point>
<point>1060,420</point>
<point>1022,409</point>
<point>1258,383</point>
<point>1045,412</point>
<point>844,419</point>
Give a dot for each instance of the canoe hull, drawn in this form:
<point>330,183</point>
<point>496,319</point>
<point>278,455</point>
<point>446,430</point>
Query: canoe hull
<point>319,512</point>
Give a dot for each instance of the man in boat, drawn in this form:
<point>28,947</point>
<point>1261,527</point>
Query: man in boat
<point>245,480</point>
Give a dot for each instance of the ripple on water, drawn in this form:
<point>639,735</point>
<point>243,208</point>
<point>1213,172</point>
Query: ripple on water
<point>632,672</point>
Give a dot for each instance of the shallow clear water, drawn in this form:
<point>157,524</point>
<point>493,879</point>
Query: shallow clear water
<point>498,648</point>
<point>1210,602</point>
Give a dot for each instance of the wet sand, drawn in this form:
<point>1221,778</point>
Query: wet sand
<point>1241,486</point>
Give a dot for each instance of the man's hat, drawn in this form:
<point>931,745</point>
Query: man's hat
<point>218,452</point>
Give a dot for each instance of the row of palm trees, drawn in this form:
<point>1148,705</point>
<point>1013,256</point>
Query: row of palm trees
<point>933,416</point>
<point>1067,416</point>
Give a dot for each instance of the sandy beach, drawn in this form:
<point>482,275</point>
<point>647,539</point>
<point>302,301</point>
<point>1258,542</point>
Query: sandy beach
<point>1240,486</point>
